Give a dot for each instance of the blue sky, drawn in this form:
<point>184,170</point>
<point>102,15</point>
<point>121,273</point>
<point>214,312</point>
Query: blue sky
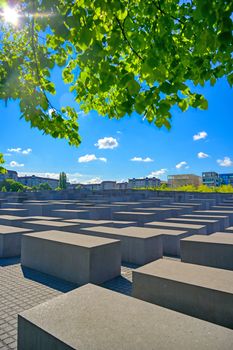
<point>155,152</point>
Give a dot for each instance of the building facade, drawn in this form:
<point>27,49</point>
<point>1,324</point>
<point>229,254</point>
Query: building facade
<point>11,174</point>
<point>183,180</point>
<point>226,179</point>
<point>37,180</point>
<point>210,179</point>
<point>144,182</point>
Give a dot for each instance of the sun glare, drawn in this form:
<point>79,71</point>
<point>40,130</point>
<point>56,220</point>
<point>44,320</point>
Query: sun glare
<point>10,15</point>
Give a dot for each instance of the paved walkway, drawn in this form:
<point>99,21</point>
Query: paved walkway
<point>21,289</point>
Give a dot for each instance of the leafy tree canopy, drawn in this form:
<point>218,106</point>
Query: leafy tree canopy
<point>44,187</point>
<point>117,56</point>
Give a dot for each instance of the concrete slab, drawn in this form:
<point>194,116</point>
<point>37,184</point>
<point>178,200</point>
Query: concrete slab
<point>211,225</point>
<point>191,228</point>
<point>71,213</point>
<point>13,211</point>
<point>170,238</point>
<point>223,220</point>
<point>137,247</point>
<point>228,213</point>
<point>140,217</point>
<point>215,250</point>
<point>73,257</point>
<point>10,240</point>
<point>109,223</point>
<point>94,318</point>
<point>199,291</point>
<point>45,225</point>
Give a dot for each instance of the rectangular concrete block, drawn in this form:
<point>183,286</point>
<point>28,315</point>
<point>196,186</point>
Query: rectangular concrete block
<point>191,228</point>
<point>223,220</point>
<point>140,217</point>
<point>211,225</point>
<point>215,250</point>
<point>71,213</point>
<point>199,291</point>
<point>137,246</point>
<point>94,318</point>
<point>228,213</point>
<point>46,225</point>
<point>73,257</point>
<point>10,240</point>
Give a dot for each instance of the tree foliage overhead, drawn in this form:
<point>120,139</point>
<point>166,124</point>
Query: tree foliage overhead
<point>118,56</point>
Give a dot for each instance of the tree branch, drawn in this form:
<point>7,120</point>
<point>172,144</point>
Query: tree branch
<point>158,6</point>
<point>126,39</point>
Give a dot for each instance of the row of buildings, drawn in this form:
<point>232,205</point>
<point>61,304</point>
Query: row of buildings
<point>30,181</point>
<point>208,178</point>
<point>34,180</point>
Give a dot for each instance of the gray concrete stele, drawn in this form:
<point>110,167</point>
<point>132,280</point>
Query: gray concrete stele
<point>73,257</point>
<point>94,318</point>
<point>199,291</point>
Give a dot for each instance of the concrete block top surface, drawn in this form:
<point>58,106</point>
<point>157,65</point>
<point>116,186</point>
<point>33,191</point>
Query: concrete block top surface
<point>124,232</point>
<point>205,216</point>
<point>69,210</point>
<point>71,238</point>
<point>206,277</point>
<point>13,209</point>
<point>41,218</point>
<point>152,231</point>
<point>14,217</point>
<point>94,318</point>
<point>87,221</point>
<point>154,209</point>
<point>51,223</point>
<point>218,237</point>
<point>214,211</point>
<point>125,203</point>
<point>174,224</point>
<point>142,213</point>
<point>4,229</point>
<point>193,220</point>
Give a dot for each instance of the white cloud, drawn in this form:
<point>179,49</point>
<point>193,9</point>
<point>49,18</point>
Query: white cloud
<point>181,165</point>
<point>27,151</point>
<point>40,174</point>
<point>202,155</point>
<point>15,164</point>
<point>96,180</point>
<point>15,150</point>
<point>7,155</point>
<point>107,143</point>
<point>200,135</point>
<point>20,150</point>
<point>90,158</point>
<point>226,161</point>
<point>140,159</point>
<point>158,172</point>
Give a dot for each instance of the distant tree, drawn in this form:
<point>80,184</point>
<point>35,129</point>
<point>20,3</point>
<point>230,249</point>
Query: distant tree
<point>11,185</point>
<point>2,170</point>
<point>163,186</point>
<point>62,181</point>
<point>3,189</point>
<point>58,189</point>
<point>44,187</point>
<point>17,187</point>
